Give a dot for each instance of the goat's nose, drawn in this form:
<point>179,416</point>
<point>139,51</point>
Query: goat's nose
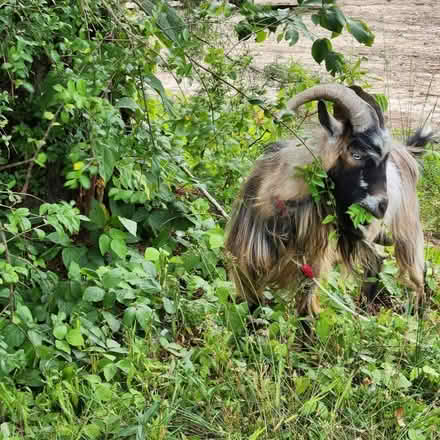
<point>382,207</point>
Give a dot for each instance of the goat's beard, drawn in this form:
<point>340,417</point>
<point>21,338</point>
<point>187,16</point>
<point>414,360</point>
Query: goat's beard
<point>352,245</point>
<point>346,226</point>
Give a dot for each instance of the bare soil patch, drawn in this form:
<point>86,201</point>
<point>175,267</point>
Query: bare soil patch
<point>403,63</point>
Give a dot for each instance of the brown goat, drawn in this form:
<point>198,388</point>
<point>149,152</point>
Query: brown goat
<point>277,225</point>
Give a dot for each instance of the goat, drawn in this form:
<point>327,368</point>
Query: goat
<point>276,224</point>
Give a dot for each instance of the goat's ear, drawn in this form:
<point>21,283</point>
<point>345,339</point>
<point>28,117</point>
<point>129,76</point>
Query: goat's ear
<point>333,126</point>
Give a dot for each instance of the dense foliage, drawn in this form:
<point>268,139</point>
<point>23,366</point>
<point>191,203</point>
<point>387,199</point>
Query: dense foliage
<point>117,319</point>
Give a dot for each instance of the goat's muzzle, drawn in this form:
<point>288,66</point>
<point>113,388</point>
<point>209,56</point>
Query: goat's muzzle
<point>375,205</point>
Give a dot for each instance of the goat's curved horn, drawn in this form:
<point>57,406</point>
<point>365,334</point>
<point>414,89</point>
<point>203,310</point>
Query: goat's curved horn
<point>358,111</point>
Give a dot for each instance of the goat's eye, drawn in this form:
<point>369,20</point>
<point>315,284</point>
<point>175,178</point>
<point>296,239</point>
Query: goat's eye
<point>356,156</point>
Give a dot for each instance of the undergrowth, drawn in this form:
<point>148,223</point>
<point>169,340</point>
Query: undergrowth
<point>117,318</point>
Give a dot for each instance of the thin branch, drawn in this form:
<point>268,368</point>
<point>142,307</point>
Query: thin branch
<point>144,97</point>
<point>211,106</point>
<point>205,192</point>
<point>42,143</point>
<point>258,139</point>
<point>8,259</point>
<point>20,194</point>
<point>16,164</point>
<point>264,108</point>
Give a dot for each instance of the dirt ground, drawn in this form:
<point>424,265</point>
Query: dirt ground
<point>403,63</point>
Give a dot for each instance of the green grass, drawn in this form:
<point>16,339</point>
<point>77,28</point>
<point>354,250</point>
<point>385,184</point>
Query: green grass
<point>174,357</point>
<point>371,379</point>
<point>192,365</point>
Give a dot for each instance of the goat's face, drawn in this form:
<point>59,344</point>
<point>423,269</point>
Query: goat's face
<point>359,173</point>
<point>359,176</point>
<point>357,132</point>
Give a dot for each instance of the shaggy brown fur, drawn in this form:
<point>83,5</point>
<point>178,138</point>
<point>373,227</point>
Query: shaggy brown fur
<point>276,225</point>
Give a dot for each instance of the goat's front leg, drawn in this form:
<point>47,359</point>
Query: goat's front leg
<point>307,306</point>
<point>307,299</point>
<point>372,289</point>
<point>416,283</point>
<point>410,259</point>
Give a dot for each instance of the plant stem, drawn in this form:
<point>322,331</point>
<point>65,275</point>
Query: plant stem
<point>8,259</point>
<point>205,192</point>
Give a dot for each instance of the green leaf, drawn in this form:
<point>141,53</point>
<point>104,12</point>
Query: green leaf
<point>48,115</point>
<point>320,49</point>
<point>256,434</point>
<point>236,317</point>
<point>329,219</point>
<point>156,84</point>
<point>81,87</point>
<point>30,377</point>
<point>85,181</point>
<point>359,215</point>
<point>73,254</point>
<point>127,103</point>
<point>107,165</point>
<point>152,254</point>
<point>104,243</point>
<point>119,247</point>
<point>243,30</point>
<point>25,315</point>
<point>416,434</point>
<point>323,326</point>
<point>109,371</point>
<point>74,272</point>
<point>98,214</point>
<point>302,384</point>
<point>255,101</point>
<point>360,30</point>
<point>292,36</point>
<point>93,294</point>
<point>112,278</point>
<point>60,238</point>
<point>65,117</point>
<point>149,286</point>
<point>334,63</point>
<point>129,316</point>
<point>144,316</point>
<point>261,36</point>
<point>60,331</point>
<point>126,293</point>
<point>13,335</point>
<point>401,382</point>
<point>130,225</point>
<point>103,392</point>
<point>169,306</point>
<point>74,337</point>
<point>35,338</point>
<point>92,431</point>
<point>216,238</point>
<point>113,323</point>
<point>430,371</point>
<point>331,19</point>
<point>41,159</point>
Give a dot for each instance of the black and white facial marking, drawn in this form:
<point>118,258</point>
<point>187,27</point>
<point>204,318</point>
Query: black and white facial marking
<point>360,175</point>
